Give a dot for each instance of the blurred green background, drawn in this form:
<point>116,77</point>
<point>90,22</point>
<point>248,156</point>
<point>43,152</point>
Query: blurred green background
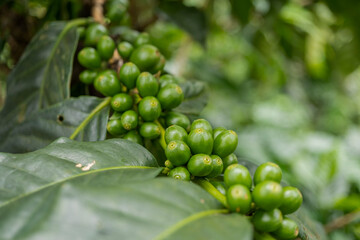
<point>284,74</point>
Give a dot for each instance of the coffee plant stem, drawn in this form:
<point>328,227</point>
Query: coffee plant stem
<point>212,190</point>
<point>77,22</point>
<point>98,108</point>
<point>162,135</point>
<point>342,221</point>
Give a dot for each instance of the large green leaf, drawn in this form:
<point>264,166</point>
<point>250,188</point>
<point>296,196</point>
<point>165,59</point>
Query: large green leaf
<point>61,119</point>
<point>22,174</point>
<point>45,195</point>
<point>41,77</point>
<point>196,97</point>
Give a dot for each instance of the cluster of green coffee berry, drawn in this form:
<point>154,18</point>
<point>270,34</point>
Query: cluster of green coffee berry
<point>139,97</point>
<point>267,202</point>
<point>207,153</point>
<point>201,153</point>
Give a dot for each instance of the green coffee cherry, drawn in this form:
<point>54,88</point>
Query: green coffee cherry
<point>201,123</point>
<point>166,79</point>
<point>134,137</point>
<point>267,221</point>
<point>200,165</point>
<point>175,118</point>
<point>225,143</point>
<point>218,166</point>
<point>115,128</point>
<point>237,174</point>
<point>128,74</point>
<point>121,102</point>
<point>168,164</point>
<point>105,47</point>
<point>109,72</point>
<point>145,57</point>
<point>200,141</point>
<point>180,173</point>
<point>125,49</point>
<point>159,66</point>
<point>268,195</point>
<point>107,83</point>
<point>88,76</point>
<point>116,10</point>
<point>292,200</point>
<point>88,57</point>
<point>143,38</point>
<point>178,152</point>
<point>229,160</point>
<point>150,130</point>
<point>149,108</point>
<point>147,84</point>
<point>170,96</point>
<point>263,236</point>
<point>128,34</point>
<point>268,171</point>
<point>238,198</point>
<point>129,119</point>
<point>93,33</point>
<point>218,130</point>
<point>287,230</point>
<point>175,132</point>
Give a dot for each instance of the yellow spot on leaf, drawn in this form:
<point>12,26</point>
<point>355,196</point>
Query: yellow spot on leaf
<point>87,167</point>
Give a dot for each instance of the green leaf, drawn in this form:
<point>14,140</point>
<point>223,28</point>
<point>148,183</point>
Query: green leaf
<point>194,22</point>
<point>61,119</point>
<point>24,173</point>
<point>195,98</point>
<point>83,209</point>
<point>44,195</point>
<point>41,77</point>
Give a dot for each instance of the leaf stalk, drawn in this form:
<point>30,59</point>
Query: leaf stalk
<point>162,135</point>
<point>98,108</point>
<point>207,186</point>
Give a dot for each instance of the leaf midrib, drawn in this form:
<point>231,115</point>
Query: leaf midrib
<point>177,226</point>
<point>59,39</point>
<point>67,28</point>
<point>69,179</point>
